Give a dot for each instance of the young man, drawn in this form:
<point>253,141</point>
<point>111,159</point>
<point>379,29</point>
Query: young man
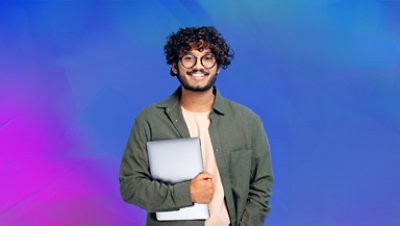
<point>237,178</point>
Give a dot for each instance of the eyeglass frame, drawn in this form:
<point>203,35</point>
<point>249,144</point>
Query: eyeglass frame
<point>201,60</point>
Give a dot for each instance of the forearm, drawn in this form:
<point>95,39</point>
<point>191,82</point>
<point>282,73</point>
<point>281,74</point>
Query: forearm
<point>257,207</point>
<point>153,195</point>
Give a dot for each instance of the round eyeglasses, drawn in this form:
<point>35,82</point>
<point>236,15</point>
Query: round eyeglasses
<point>189,60</point>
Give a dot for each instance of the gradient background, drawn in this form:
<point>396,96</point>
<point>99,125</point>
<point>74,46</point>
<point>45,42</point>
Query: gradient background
<point>322,74</point>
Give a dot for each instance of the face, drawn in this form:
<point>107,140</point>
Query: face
<point>197,71</point>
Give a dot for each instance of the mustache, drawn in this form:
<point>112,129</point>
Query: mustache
<point>198,70</point>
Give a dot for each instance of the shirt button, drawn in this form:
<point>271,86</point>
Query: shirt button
<point>176,120</point>
<point>217,150</point>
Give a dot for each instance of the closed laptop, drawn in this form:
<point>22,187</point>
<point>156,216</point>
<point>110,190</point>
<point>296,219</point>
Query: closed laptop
<point>176,160</point>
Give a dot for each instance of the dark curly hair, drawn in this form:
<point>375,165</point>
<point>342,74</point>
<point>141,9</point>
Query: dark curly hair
<point>198,38</point>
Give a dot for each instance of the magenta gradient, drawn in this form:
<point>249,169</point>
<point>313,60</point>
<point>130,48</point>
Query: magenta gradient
<point>43,182</point>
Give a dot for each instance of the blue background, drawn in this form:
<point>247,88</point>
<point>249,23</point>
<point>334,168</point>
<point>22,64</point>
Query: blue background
<point>324,76</point>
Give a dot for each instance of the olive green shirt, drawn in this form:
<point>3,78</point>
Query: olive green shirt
<point>241,150</point>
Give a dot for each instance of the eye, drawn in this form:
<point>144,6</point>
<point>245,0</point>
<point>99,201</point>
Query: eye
<point>208,57</point>
<point>188,58</point>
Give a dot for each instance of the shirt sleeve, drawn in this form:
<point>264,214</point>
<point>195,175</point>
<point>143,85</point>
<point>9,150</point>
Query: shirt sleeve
<point>136,184</point>
<point>260,190</point>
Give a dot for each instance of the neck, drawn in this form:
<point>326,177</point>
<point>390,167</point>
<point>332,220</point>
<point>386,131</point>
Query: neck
<point>197,101</point>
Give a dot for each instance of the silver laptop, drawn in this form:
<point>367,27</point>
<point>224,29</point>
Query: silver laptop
<point>174,161</point>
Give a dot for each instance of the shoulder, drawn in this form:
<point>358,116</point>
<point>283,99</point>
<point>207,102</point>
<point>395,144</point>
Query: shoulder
<point>158,109</point>
<point>239,110</point>
<point>151,111</point>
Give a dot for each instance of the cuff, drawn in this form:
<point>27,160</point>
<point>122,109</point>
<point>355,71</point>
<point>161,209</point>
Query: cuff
<point>182,194</point>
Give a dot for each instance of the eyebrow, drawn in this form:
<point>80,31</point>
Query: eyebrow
<point>191,52</point>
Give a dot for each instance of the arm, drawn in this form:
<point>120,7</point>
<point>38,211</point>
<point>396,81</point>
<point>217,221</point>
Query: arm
<point>136,184</point>
<point>258,207</point>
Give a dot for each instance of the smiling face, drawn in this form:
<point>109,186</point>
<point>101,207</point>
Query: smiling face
<point>196,70</point>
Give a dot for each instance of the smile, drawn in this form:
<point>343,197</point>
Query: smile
<point>198,76</point>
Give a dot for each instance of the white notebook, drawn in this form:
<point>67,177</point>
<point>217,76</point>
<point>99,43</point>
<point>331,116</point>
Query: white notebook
<point>173,161</point>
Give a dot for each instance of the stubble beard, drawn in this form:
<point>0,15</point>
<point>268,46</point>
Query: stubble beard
<point>184,82</point>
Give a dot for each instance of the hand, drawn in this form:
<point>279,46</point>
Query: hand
<point>202,188</point>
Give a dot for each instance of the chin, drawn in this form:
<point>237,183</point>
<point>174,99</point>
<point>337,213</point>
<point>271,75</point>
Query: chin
<point>198,88</point>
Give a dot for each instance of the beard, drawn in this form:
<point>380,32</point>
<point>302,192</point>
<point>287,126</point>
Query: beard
<point>197,88</point>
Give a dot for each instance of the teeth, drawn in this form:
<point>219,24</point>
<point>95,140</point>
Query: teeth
<point>198,76</point>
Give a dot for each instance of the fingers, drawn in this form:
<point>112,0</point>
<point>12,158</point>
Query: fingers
<point>202,188</point>
<point>205,176</point>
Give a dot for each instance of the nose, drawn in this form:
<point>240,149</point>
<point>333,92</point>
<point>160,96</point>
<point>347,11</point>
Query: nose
<point>198,64</point>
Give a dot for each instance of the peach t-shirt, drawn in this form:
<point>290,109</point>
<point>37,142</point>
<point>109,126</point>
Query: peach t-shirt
<point>198,123</point>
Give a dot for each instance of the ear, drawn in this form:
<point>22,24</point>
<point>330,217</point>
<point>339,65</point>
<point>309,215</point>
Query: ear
<point>174,69</point>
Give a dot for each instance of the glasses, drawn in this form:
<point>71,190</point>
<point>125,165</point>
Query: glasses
<point>208,60</point>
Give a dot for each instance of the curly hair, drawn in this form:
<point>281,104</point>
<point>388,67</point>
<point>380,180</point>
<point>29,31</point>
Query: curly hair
<point>198,38</point>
